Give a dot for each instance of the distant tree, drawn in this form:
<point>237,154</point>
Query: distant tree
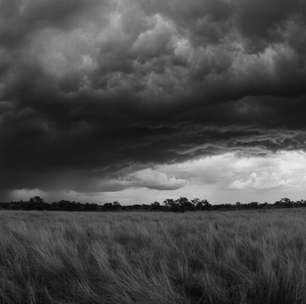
<point>169,202</point>
<point>195,201</point>
<point>172,205</point>
<point>107,206</point>
<point>184,204</point>
<point>252,205</point>
<point>202,205</point>
<point>36,200</point>
<point>34,203</point>
<point>116,205</point>
<point>155,206</point>
<point>284,202</point>
<point>303,202</point>
<point>179,205</point>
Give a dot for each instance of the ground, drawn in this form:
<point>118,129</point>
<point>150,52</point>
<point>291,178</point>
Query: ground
<point>155,258</point>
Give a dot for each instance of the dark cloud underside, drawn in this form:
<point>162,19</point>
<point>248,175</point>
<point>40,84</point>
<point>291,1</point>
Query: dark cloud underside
<point>88,88</point>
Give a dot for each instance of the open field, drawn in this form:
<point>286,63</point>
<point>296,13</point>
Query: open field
<point>155,258</point>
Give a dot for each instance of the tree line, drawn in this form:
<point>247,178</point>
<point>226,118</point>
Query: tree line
<point>181,204</point>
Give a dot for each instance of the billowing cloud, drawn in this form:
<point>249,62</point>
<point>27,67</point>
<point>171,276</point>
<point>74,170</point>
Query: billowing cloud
<point>94,91</point>
<point>227,177</point>
<point>152,179</point>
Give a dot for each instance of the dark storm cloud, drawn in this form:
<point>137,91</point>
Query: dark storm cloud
<point>91,88</point>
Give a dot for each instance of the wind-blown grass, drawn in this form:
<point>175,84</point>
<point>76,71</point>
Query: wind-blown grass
<point>155,258</point>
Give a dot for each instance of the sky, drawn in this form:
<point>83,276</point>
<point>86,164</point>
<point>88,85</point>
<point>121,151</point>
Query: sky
<point>142,100</point>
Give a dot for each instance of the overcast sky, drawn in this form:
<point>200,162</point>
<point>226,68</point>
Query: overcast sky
<point>140,100</point>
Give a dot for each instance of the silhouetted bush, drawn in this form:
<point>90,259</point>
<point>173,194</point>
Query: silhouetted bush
<point>181,204</point>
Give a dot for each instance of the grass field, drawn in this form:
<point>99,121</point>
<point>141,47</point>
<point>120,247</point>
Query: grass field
<point>155,258</point>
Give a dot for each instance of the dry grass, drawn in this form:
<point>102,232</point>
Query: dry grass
<point>231,257</point>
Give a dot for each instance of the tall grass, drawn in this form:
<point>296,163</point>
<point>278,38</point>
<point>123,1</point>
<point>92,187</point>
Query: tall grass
<point>124,258</point>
